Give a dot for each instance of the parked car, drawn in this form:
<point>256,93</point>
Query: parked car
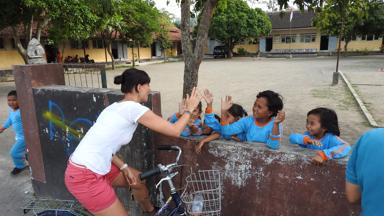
<point>220,52</point>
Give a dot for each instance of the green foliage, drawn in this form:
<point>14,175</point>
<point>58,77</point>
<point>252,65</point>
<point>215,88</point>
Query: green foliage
<point>235,21</point>
<point>341,17</point>
<point>140,21</point>
<point>242,52</point>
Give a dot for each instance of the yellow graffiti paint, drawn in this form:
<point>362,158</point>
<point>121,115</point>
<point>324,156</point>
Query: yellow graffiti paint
<point>60,124</point>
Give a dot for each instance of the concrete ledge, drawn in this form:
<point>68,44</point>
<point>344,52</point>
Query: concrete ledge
<point>359,102</point>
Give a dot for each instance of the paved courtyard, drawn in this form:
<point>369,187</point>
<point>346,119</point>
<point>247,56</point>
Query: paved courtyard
<point>304,83</point>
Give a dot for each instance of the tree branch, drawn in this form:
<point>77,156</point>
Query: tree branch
<point>203,28</point>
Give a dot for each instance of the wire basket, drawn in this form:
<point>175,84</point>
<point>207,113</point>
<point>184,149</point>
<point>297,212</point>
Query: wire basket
<point>205,183</point>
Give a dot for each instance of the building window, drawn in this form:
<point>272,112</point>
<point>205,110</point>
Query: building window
<point>276,39</point>
<point>98,44</point>
<point>307,38</point>
<point>288,39</point>
<point>79,44</point>
<point>364,37</point>
<point>369,37</point>
<point>377,36</point>
<point>353,37</point>
<point>1,43</point>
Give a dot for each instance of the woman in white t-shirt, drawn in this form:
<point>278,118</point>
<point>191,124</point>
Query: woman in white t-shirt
<point>94,169</point>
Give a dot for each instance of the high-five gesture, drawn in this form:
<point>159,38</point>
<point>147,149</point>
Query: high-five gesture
<point>226,103</point>
<point>208,97</point>
<point>191,101</point>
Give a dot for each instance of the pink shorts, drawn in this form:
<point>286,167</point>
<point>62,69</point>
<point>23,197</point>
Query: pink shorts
<point>92,190</point>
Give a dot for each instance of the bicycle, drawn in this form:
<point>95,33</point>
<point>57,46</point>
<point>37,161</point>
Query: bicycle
<point>202,194</point>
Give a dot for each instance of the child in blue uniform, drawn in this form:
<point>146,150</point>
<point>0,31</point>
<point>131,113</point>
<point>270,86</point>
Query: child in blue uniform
<point>264,125</point>
<point>322,134</point>
<point>194,126</point>
<point>234,113</point>
<point>18,149</point>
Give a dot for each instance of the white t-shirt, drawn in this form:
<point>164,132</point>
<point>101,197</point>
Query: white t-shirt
<point>113,128</point>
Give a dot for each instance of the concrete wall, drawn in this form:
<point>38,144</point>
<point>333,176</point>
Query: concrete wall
<point>362,45</point>
<point>258,181</point>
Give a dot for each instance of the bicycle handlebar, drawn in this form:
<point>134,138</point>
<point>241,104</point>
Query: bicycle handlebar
<point>168,148</point>
<point>150,173</point>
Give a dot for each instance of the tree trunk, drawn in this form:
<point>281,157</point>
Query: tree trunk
<point>346,47</point>
<point>382,44</point>
<point>30,29</point>
<point>105,50</point>
<point>230,47</point>
<point>109,50</point>
<point>84,51</point>
<point>138,52</point>
<point>193,58</point>
<point>20,49</point>
<point>133,55</point>
<point>41,26</point>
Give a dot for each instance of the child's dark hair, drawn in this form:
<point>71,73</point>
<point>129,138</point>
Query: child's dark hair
<point>328,119</point>
<point>237,110</point>
<point>217,117</point>
<point>130,78</point>
<point>275,101</point>
<point>12,93</point>
<point>200,107</point>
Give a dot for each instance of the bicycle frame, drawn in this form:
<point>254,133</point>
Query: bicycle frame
<point>175,197</point>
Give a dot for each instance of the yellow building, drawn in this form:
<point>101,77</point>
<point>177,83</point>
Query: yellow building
<point>93,47</point>
<point>299,36</point>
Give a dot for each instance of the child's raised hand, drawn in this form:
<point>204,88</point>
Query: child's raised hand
<point>226,103</point>
<point>208,96</point>
<point>192,100</point>
<point>280,117</point>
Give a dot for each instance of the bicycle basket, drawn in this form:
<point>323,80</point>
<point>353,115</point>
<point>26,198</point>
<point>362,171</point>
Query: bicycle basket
<point>206,184</point>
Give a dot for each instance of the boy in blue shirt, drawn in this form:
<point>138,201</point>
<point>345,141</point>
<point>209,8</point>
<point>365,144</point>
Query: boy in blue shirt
<point>18,149</point>
<point>365,173</point>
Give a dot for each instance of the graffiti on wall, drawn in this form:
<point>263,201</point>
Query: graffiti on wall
<point>60,129</point>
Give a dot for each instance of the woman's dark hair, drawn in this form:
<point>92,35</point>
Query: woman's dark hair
<point>130,78</point>
<point>237,110</point>
<point>275,101</point>
<point>328,119</point>
<point>12,93</point>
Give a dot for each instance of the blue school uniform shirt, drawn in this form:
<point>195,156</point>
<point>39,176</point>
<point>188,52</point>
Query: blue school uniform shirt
<point>254,132</point>
<point>332,146</point>
<point>187,130</point>
<point>214,124</point>
<point>366,169</point>
<point>14,119</point>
